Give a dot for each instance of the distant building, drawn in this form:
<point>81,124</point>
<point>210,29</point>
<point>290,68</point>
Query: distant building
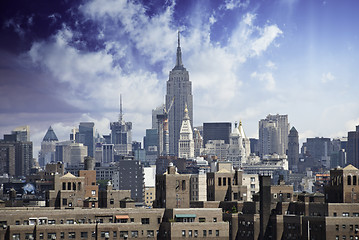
<point>216,131</point>
<point>293,149</point>
<point>179,94</point>
<point>70,153</point>
<point>273,134</point>
<point>353,147</point>
<point>186,143</point>
<point>217,149</point>
<point>48,148</point>
<point>7,158</point>
<point>198,184</point>
<point>86,135</point>
<point>239,146</point>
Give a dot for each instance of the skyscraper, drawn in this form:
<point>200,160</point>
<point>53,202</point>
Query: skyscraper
<point>353,147</point>
<point>48,147</point>
<point>87,137</point>
<point>179,90</point>
<point>121,135</point>
<point>216,131</point>
<point>293,149</point>
<point>273,134</point>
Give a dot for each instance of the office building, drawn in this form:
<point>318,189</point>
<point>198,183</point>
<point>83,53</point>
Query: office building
<point>7,158</point>
<point>353,147</point>
<point>121,135</point>
<point>48,148</point>
<point>186,143</point>
<point>179,94</point>
<point>216,131</point>
<point>293,149</point>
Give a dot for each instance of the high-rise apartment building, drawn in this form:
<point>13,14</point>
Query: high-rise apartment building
<point>293,149</point>
<point>353,147</point>
<point>179,94</point>
<point>273,134</point>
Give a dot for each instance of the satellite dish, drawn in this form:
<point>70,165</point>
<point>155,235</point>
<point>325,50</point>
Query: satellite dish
<point>29,189</point>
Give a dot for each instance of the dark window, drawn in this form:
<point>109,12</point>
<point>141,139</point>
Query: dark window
<point>145,220</point>
<point>183,184</point>
<point>224,181</point>
<point>72,235</point>
<point>64,201</point>
<point>349,180</point>
<point>158,220</point>
<point>83,234</point>
<point>74,186</point>
<point>217,233</point>
<point>219,181</point>
<point>112,201</point>
<point>63,186</point>
<point>69,186</point>
<point>354,180</point>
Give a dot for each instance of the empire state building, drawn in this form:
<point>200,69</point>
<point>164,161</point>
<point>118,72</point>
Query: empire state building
<point>179,90</point>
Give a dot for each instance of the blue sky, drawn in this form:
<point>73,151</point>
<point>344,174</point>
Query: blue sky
<point>62,62</point>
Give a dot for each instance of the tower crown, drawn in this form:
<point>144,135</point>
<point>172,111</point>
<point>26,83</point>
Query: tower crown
<point>179,64</point>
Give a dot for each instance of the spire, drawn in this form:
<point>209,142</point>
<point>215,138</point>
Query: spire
<point>50,136</point>
<point>186,116</point>
<point>120,119</point>
<point>179,54</point>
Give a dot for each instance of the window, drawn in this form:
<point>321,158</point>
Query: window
<point>16,236</point>
<point>337,227</point>
<point>72,235</point>
<point>345,214</point>
<point>195,233</point>
<point>183,185</point>
<point>114,234</point>
<point>209,232</point>
<point>51,236</point>
<point>204,233</point>
<point>52,222</point>
<point>93,234</point>
<point>69,186</point>
<point>93,192</point>
<point>63,186</point>
<point>62,235</point>
<point>70,221</point>
<point>41,235</point>
<point>150,233</point>
<point>349,178</point>
<point>17,223</point>
<point>132,219</point>
<point>253,186</point>
<point>217,233</point>
<point>288,195</point>
<point>134,234</point>
<point>145,220</point>
<point>354,180</point>
<point>202,219</point>
<point>64,201</point>
<point>224,181</point>
<point>190,233</point>
<point>123,220</point>
<point>214,219</point>
<point>158,220</point>
<point>336,237</point>
<point>183,233</point>
<point>344,226</point>
<point>219,181</point>
<point>112,201</point>
<point>253,179</point>
<point>123,234</point>
<point>29,236</point>
<point>351,227</point>
<point>84,235</point>
<point>335,214</point>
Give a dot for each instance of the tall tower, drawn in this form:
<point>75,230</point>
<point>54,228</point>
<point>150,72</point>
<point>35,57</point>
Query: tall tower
<point>179,88</point>
<point>121,135</point>
<point>293,149</point>
<point>353,147</point>
<point>186,143</point>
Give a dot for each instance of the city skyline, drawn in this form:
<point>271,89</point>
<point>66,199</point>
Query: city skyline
<point>66,63</point>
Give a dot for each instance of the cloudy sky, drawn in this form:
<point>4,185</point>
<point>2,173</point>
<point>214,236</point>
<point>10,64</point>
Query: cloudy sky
<point>62,62</point>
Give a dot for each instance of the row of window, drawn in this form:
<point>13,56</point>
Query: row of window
<point>85,235</point>
<point>194,233</point>
<point>347,214</point>
<point>345,237</point>
<point>44,221</point>
<point>351,227</point>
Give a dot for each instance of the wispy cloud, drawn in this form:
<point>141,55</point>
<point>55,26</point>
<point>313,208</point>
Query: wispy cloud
<point>327,77</point>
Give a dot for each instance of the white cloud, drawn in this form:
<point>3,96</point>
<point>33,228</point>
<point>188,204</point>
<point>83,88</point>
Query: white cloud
<point>267,78</point>
<point>327,77</point>
<point>268,34</point>
<point>232,4</point>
